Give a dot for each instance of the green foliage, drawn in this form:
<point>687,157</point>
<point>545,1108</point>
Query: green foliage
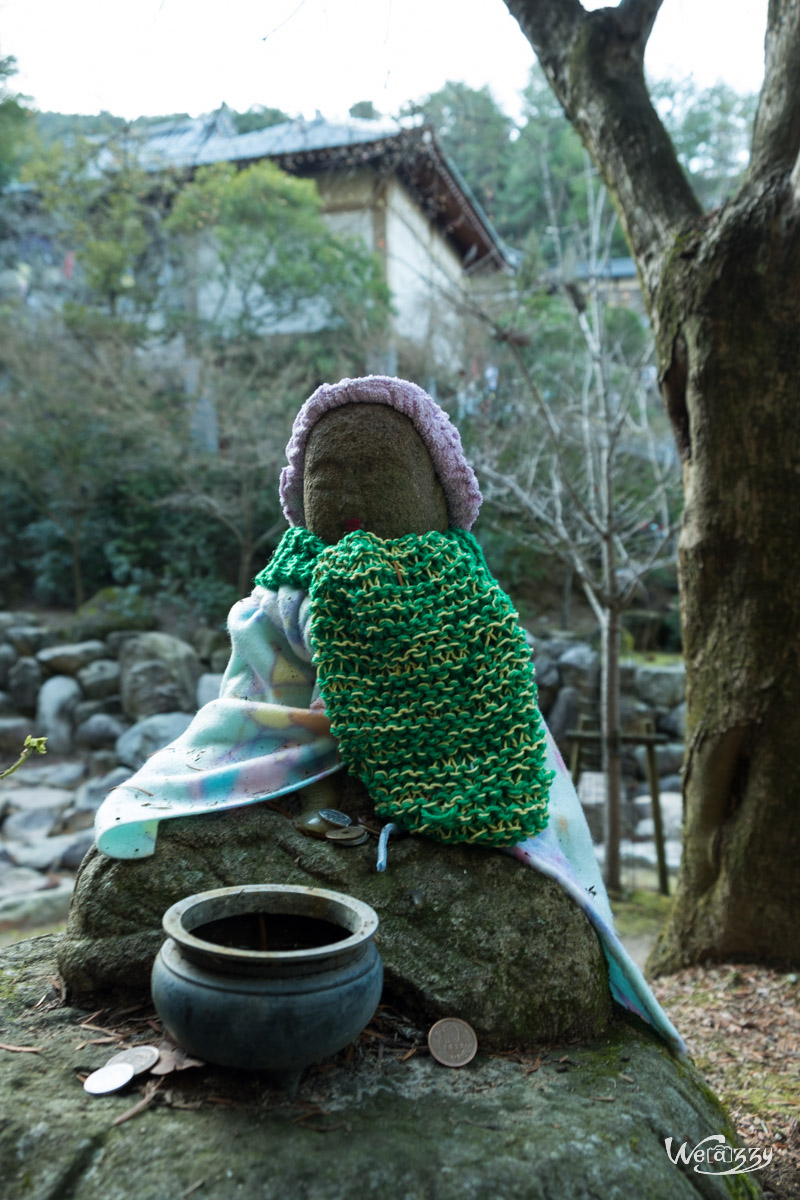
<point>711,130</point>
<point>106,211</point>
<point>476,133</point>
<point>258,117</point>
<point>256,241</point>
<point>14,121</point>
<point>364,110</point>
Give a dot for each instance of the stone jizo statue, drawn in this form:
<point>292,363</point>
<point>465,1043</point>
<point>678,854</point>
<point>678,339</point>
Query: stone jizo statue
<point>378,668</point>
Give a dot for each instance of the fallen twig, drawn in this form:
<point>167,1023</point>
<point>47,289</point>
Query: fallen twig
<point>145,1102</point>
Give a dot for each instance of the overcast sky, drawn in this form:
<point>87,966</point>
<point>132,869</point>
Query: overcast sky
<point>136,57</point>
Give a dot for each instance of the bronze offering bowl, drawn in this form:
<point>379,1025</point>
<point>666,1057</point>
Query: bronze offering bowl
<point>267,977</point>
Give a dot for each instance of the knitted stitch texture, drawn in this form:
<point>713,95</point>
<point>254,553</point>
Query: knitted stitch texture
<point>427,679</point>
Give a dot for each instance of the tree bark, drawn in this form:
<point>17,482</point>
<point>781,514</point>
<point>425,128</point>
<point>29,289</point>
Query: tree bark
<point>738,294</point>
<point>723,292</point>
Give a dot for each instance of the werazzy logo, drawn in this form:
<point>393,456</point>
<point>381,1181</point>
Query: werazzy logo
<point>718,1158</point>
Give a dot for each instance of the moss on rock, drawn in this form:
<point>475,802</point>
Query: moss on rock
<point>463,930</point>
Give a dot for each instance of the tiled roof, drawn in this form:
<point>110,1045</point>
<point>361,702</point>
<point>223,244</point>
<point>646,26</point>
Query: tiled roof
<point>200,141</point>
<point>412,149</point>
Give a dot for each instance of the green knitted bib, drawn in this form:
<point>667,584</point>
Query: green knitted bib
<point>427,680</point>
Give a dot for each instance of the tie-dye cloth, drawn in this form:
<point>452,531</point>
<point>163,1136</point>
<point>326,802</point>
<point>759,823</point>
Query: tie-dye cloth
<point>267,734</point>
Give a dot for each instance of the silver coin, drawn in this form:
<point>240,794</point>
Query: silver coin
<point>356,835</point>
<point>452,1042</point>
<point>334,817</point>
<point>141,1058</point>
<point>109,1078</point>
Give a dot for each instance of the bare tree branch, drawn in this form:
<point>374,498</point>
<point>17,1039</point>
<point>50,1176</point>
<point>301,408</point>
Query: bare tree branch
<point>776,134</point>
<point>595,64</point>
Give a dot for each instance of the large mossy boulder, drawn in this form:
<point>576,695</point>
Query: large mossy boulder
<point>464,931</point>
<point>374,1121</point>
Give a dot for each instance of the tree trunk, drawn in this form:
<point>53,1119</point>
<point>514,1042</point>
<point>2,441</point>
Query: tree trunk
<point>732,390</point>
<point>723,291</point>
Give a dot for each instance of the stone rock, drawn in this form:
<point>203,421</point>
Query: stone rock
<point>30,825</point>
<point>100,730</point>
<point>220,659</point>
<point>463,930</point>
<point>633,713</point>
<point>101,761</point>
<point>671,805</point>
<point>15,880</point>
<point>117,639</point>
<point>557,644</point>
<point>91,795</point>
<point>409,1129</point>
<point>73,854</point>
<point>627,675</point>
<point>100,678</point>
<point>592,795</point>
<point>669,758</point>
<point>58,697</point>
<point>207,642</point>
<point>153,733</point>
<point>564,714</point>
<point>24,681</point>
<point>7,706</point>
<point>579,666</point>
<point>52,774</point>
<point>8,656</point>
<point>13,731</point>
<point>45,853</point>
<point>207,689</point>
<point>661,687</point>
<point>112,609</point>
<point>643,854</point>
<point>86,709</point>
<point>26,798</point>
<point>673,723</point>
<point>159,675</point>
<point>548,680</point>
<point>9,619</point>
<point>47,906</point>
<point>27,640</point>
<point>69,658</point>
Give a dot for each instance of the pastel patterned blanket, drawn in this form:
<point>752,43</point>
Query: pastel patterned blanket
<point>268,734</point>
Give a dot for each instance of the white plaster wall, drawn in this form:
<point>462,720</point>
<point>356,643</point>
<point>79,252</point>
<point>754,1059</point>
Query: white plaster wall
<point>425,277</point>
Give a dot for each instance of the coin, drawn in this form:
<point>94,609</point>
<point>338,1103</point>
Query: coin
<point>356,835</point>
<point>334,817</point>
<point>452,1042</point>
<point>109,1078</point>
<point>141,1058</point>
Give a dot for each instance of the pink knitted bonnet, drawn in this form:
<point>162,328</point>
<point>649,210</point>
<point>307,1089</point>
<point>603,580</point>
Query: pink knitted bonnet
<point>431,422</point>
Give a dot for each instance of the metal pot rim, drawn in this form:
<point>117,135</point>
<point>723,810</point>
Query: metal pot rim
<point>352,914</point>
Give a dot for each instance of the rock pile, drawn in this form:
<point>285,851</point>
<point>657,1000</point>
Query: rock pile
<point>104,705</point>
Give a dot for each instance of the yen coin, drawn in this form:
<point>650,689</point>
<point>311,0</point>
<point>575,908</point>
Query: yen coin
<point>141,1058</point>
<point>452,1042</point>
<point>334,817</point>
<point>355,835</point>
<point>109,1078</point>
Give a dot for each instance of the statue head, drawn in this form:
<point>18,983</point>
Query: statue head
<point>376,454</point>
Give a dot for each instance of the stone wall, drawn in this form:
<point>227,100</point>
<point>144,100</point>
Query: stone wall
<point>105,703</point>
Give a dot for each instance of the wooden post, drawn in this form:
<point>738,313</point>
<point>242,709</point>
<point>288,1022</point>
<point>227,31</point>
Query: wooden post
<point>649,740</point>
<point>658,827</point>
